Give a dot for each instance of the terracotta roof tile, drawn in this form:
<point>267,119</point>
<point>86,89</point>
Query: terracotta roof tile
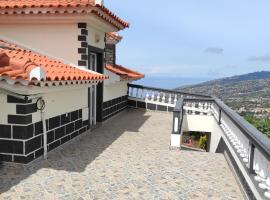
<point>124,73</point>
<point>113,38</point>
<point>60,7</point>
<point>19,65</point>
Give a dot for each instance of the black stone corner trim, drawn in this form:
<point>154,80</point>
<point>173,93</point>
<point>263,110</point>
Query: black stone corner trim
<point>26,109</point>
<point>82,25</point>
<point>24,159</point>
<point>82,38</point>
<point>19,119</point>
<point>84,57</point>
<point>82,50</point>
<point>5,131</point>
<point>84,44</point>
<point>12,99</point>
<point>84,32</point>
<point>82,63</point>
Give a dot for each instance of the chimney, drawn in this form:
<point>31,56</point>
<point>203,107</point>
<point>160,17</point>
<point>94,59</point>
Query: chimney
<point>100,2</point>
<point>110,48</point>
<point>110,54</point>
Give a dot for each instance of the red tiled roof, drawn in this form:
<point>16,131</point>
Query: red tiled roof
<point>125,73</point>
<point>113,38</point>
<point>60,7</point>
<point>17,65</point>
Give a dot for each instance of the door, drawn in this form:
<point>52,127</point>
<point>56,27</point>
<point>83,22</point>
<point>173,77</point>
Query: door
<point>93,90</point>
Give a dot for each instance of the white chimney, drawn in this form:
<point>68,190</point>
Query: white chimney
<point>100,2</point>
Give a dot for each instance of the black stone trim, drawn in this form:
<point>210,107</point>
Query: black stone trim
<point>6,158</point>
<point>39,153</point>
<point>84,44</point>
<point>78,124</point>
<point>84,31</point>
<point>5,131</point>
<point>132,103</point>
<point>75,134</point>
<point>24,159</point>
<point>33,144</point>
<point>50,137</point>
<point>12,99</point>
<point>82,50</point>
<point>114,106</point>
<point>82,25</point>
<point>161,108</point>
<point>65,139</point>
<point>11,146</point>
<point>23,132</point>
<point>74,115</point>
<point>82,38</point>
<point>151,106</point>
<point>70,128</point>
<point>54,145</point>
<point>59,132</point>
<point>170,109</point>
<point>54,122</point>
<point>61,129</point>
<point>141,104</point>
<point>84,57</point>
<point>26,109</point>
<point>38,128</point>
<point>65,118</point>
<point>19,119</point>
<point>82,62</point>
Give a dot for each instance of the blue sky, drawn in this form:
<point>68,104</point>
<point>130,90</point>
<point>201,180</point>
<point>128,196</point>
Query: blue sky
<point>194,38</point>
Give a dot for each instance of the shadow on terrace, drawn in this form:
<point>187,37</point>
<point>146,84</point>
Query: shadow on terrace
<point>77,154</point>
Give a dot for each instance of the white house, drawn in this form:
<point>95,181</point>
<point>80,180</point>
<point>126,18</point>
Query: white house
<point>52,71</point>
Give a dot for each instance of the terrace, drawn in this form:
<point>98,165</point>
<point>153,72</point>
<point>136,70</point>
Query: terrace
<point>137,155</point>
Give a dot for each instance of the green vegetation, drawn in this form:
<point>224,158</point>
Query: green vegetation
<point>262,125</point>
<point>202,142</point>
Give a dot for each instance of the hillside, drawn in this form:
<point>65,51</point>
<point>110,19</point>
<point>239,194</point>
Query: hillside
<point>248,93</point>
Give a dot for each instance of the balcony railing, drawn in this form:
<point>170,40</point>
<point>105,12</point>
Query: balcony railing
<point>248,148</point>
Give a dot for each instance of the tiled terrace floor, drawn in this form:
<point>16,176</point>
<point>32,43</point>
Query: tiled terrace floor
<point>127,158</point>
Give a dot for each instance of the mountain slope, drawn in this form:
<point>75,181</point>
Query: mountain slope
<point>248,85</point>
<point>248,93</point>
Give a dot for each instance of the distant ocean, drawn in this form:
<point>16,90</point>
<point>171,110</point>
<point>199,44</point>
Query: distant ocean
<point>170,82</point>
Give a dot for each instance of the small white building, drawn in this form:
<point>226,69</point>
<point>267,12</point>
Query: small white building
<point>52,74</point>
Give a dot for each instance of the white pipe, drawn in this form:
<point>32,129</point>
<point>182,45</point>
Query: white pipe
<point>45,150</point>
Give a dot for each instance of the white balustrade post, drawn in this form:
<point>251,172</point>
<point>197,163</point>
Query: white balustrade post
<point>147,95</point>
<point>153,96</point>
<point>170,99</point>
<point>175,99</point>
<point>158,97</point>
<point>163,97</point>
<point>193,106</point>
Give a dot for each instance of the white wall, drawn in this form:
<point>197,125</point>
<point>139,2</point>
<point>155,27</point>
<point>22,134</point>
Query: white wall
<point>58,103</point>
<point>6,108</point>
<point>93,35</point>
<point>58,40</point>
<point>203,123</point>
<point>115,90</point>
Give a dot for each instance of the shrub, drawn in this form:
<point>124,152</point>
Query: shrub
<point>202,142</point>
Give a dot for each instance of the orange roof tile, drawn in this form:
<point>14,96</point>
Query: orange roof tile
<point>113,38</point>
<point>125,73</point>
<point>60,7</point>
<point>17,66</point>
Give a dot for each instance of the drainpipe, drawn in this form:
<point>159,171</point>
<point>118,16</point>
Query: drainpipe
<point>41,106</point>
